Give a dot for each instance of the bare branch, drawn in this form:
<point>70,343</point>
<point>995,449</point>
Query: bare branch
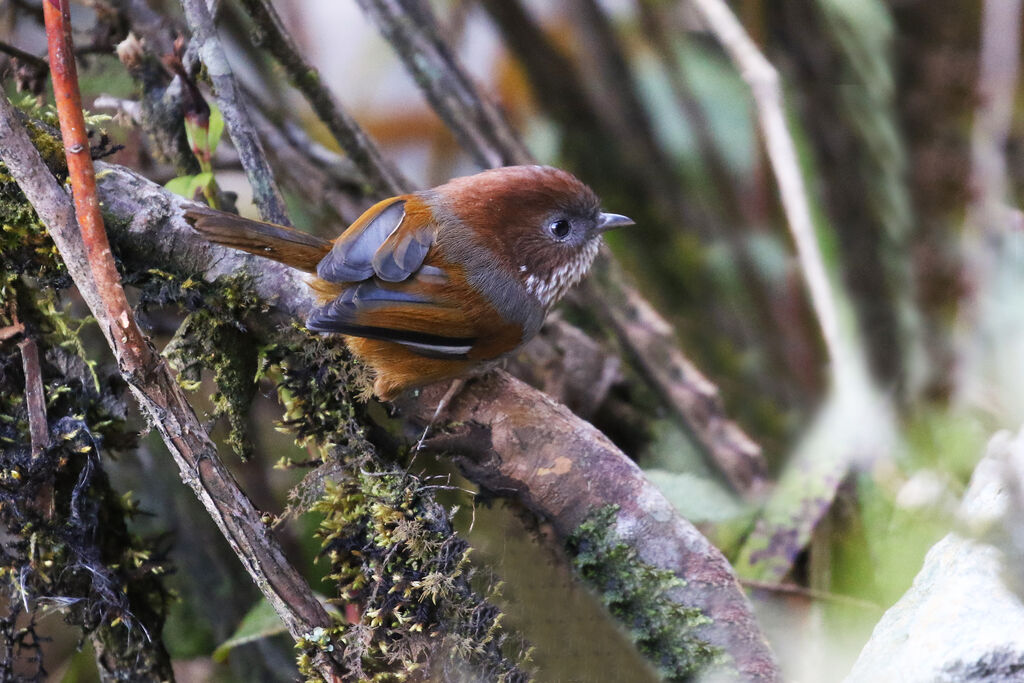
<point>35,398</point>
<point>383,179</point>
<point>265,192</point>
<point>26,57</point>
<point>763,80</point>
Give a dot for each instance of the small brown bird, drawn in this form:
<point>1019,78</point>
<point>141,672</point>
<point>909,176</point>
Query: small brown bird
<point>438,284</point>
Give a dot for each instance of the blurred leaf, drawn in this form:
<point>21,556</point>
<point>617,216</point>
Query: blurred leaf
<point>671,449</point>
<point>696,498</point>
<point>188,185</point>
<point>216,127</point>
<point>949,441</point>
<point>898,536</point>
<point>260,622</point>
<point>180,185</point>
<point>723,518</point>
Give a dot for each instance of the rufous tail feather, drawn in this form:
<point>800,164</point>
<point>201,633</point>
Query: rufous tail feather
<point>286,245</point>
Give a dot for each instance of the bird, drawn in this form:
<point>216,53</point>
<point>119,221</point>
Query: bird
<point>439,284</point>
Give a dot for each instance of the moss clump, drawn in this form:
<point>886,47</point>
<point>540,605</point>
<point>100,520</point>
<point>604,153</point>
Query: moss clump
<point>69,545</point>
<point>213,336</point>
<point>397,562</point>
<point>393,552</point>
<point>640,596</point>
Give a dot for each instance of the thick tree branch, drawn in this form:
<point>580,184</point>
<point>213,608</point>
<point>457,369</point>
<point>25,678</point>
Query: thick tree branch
<point>516,442</point>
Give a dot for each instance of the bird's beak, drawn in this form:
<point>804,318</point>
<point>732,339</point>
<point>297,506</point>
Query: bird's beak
<point>610,221</point>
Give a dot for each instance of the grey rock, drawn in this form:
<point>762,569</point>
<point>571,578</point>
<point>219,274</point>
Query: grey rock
<point>962,619</point>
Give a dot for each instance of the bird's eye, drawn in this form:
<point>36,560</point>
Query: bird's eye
<point>560,228</point>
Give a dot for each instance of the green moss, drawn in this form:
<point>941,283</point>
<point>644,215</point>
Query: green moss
<point>640,596</point>
<point>393,554</point>
<point>214,336</point>
<point>69,543</point>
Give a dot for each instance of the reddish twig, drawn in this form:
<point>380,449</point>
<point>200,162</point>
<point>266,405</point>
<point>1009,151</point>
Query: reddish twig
<point>64,74</point>
<point>11,331</point>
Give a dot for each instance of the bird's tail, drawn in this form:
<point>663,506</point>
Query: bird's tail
<point>287,245</point>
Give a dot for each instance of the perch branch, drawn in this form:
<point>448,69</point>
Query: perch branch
<point>444,81</point>
<point>243,135</point>
<point>382,178</point>
<point>148,376</point>
<point>763,81</point>
<point>559,453</point>
<point>512,440</point>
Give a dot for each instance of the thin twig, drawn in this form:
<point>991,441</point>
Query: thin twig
<point>383,179</point>
<point>243,135</point>
<point>11,331</point>
<point>763,81</point>
<point>35,398</point>
<point>812,594</point>
<point>26,57</point>
<point>738,208</point>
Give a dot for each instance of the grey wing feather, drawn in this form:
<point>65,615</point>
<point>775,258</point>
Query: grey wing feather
<point>351,259</point>
<point>403,254</point>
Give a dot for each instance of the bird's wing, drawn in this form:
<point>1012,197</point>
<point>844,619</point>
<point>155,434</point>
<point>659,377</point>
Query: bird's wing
<point>390,241</point>
<point>409,314</point>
